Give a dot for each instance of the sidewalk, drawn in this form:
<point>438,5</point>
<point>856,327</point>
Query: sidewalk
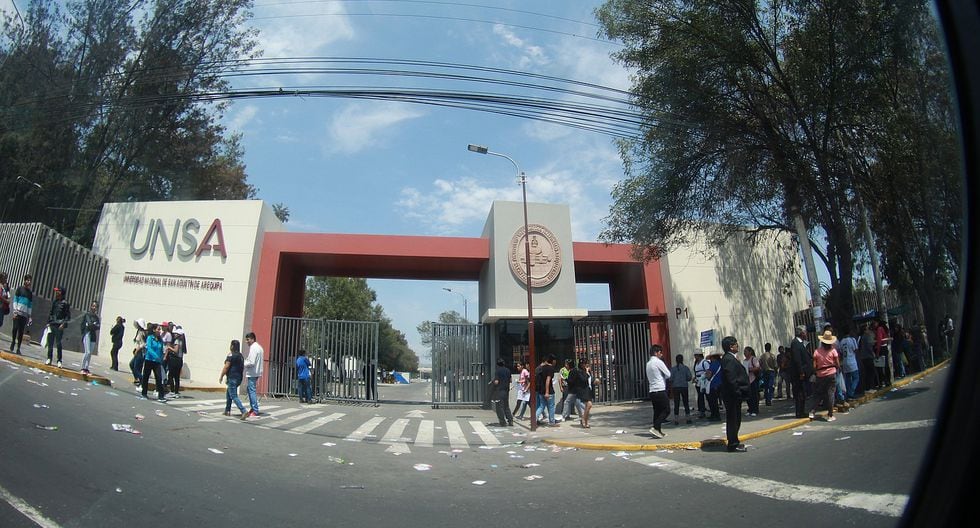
<point>625,427</point>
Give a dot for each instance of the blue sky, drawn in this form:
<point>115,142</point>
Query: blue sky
<point>350,166</point>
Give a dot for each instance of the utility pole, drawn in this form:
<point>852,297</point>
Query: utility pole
<point>811,270</point>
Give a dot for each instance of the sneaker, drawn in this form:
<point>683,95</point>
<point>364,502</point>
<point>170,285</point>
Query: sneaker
<point>831,418</point>
<point>47,361</point>
<point>737,448</point>
<point>812,415</point>
<point>59,364</point>
<point>161,399</point>
<point>227,413</point>
<point>689,421</point>
<point>559,419</point>
<point>753,414</point>
<point>253,413</point>
<point>655,433</point>
<point>245,415</point>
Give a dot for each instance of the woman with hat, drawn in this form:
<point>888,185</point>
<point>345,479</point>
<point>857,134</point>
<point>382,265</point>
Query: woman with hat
<point>826,363</point>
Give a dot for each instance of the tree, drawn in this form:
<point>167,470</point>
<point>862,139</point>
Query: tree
<point>746,103</point>
<point>110,113</point>
<point>425,327</point>
<point>351,299</point>
<point>281,212</point>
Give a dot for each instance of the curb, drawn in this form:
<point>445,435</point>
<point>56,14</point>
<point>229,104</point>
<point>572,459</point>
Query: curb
<point>713,442</point>
<point>63,372</point>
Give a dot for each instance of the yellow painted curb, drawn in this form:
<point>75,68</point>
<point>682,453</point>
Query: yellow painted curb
<point>719,442</point>
<point>65,373</point>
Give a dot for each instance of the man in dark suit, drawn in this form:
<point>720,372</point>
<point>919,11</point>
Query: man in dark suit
<point>734,389</point>
<point>800,369</point>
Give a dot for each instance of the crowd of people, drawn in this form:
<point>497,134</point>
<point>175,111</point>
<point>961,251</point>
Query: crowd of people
<point>575,382</point>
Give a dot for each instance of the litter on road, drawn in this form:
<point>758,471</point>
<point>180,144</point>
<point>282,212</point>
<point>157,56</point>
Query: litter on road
<point>422,467</point>
<point>216,451</point>
<point>46,427</point>
<point>328,444</point>
<point>126,428</point>
<point>40,406</point>
<point>533,477</point>
<point>479,482</point>
<point>139,417</point>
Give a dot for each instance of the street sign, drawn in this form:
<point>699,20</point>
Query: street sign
<point>707,338</point>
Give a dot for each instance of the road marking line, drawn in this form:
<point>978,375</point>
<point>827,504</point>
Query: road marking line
<point>280,412</point>
<point>456,436</point>
<point>313,424</point>
<point>26,509</point>
<point>215,407</point>
<point>186,402</point>
<point>365,429</point>
<point>394,433</point>
<point>891,505</point>
<point>484,433</point>
<point>426,433</point>
<point>893,426</point>
<point>291,419</point>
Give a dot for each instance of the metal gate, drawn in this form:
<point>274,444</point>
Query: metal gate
<point>344,356</point>
<point>459,365</point>
<point>618,353</point>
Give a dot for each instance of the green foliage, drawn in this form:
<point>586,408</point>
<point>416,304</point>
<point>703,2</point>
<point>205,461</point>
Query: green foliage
<point>281,212</point>
<point>97,105</point>
<point>425,327</point>
<point>351,299</point>
<point>756,110</point>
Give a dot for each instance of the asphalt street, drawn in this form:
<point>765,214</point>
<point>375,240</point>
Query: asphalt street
<point>191,465</point>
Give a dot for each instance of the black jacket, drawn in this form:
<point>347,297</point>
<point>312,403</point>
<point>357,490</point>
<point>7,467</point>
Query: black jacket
<point>734,378</point>
<point>800,360</point>
<point>60,313</point>
<point>117,332</point>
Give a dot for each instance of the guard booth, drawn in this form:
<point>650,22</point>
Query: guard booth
<point>344,356</point>
<point>460,365</point>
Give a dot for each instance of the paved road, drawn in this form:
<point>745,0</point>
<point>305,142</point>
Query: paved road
<point>360,465</point>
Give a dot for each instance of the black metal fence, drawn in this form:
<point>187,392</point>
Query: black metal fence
<point>344,356</point>
<point>460,366</point>
<point>618,353</point>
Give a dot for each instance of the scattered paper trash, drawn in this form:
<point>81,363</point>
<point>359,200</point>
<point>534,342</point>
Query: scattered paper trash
<point>533,477</point>
<point>336,460</point>
<point>658,464</point>
<point>202,413</point>
<point>422,467</point>
<point>620,431</point>
<point>599,459</point>
<point>161,413</point>
<point>74,394</point>
<point>118,490</point>
<point>531,465</point>
<point>139,417</point>
<point>479,482</point>
<point>40,406</point>
<point>216,451</point>
<point>349,486</point>
<point>293,454</point>
<point>457,450</point>
<point>842,438</point>
<point>798,433</point>
<point>112,393</point>
<point>328,444</point>
<point>516,456</point>
<point>126,428</point>
<point>46,427</point>
<point>511,452</point>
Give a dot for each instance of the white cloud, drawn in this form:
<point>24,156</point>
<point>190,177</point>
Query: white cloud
<point>295,31</point>
<point>362,125</point>
<point>528,54</point>
<point>242,117</point>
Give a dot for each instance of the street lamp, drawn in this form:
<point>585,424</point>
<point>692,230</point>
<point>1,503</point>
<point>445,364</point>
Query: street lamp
<point>465,316</point>
<point>479,149</point>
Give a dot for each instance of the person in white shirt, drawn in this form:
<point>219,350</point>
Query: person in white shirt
<point>657,376</point>
<point>701,366</point>
<point>253,371</point>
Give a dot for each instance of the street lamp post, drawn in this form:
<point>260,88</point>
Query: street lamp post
<point>522,179</point>
<point>465,315</point>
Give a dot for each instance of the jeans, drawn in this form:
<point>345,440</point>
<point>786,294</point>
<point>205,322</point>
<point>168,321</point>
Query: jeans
<point>17,328</point>
<point>231,395</point>
<point>157,370</point>
<point>681,394</point>
<point>501,400</point>
<point>572,402</point>
<point>54,339</point>
<point>823,392</point>
<point>768,384</point>
<point>305,390</point>
<point>784,381</point>
<point>520,408</point>
<point>253,399</point>
<point>549,403</point>
<point>136,366</point>
<point>851,380</point>
<point>87,345</point>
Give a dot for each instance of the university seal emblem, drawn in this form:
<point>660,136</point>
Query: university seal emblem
<point>545,256</point>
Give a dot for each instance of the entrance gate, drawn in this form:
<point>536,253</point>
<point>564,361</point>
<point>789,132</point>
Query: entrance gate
<point>460,365</point>
<point>618,353</point>
<point>344,356</point>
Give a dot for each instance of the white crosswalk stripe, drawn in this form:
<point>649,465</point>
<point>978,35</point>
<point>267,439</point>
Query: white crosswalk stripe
<point>194,403</point>
<point>313,424</point>
<point>484,433</point>
<point>365,429</point>
<point>394,433</point>
<point>290,419</point>
<point>426,433</point>
<point>456,437</point>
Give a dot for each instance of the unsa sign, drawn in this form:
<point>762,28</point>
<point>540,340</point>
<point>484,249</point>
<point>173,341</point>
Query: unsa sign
<point>181,239</point>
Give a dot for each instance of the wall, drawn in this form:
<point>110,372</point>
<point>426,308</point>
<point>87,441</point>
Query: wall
<point>736,289</point>
<point>186,279</point>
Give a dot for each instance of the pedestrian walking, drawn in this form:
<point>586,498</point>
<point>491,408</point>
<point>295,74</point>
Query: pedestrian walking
<point>657,376</point>
<point>523,390</point>
<point>139,351</point>
<point>91,323</point>
<point>680,377</point>
<point>544,375</point>
<point>175,359</point>
<point>57,321</point>
<point>303,365</point>
<point>232,372</point>
<point>563,386</point>
<point>800,370</point>
<point>783,377</point>
<point>701,382</point>
<point>868,360</point>
<point>153,361</point>
<point>116,336</point>
<point>500,394</point>
<point>21,306</point>
<point>253,371</point>
<point>826,363</point>
<point>769,366</point>
<point>753,368</point>
<point>734,389</point>
<point>584,392</point>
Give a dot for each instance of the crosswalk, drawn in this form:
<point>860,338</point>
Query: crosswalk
<point>396,433</point>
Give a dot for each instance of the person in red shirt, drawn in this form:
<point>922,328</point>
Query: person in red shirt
<point>826,363</point>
